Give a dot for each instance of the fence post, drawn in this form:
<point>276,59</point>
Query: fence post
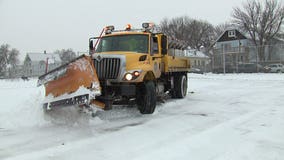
<point>224,60</point>
<point>237,57</point>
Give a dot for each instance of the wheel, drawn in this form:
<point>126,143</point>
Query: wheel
<point>146,99</point>
<point>180,86</point>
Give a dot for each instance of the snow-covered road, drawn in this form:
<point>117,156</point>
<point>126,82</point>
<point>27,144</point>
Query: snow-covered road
<point>223,117</point>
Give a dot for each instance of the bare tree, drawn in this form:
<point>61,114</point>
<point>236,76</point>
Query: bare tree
<point>261,21</point>
<point>176,27</point>
<point>13,61</point>
<point>66,55</point>
<point>4,51</point>
<point>8,59</point>
<point>201,34</point>
<point>196,33</point>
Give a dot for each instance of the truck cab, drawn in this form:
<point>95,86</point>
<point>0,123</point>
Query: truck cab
<point>134,66</point>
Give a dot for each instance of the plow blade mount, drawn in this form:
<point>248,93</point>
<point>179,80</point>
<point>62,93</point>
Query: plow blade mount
<point>75,83</point>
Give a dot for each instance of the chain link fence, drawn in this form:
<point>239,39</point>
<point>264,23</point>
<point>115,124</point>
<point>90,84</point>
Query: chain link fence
<point>247,59</point>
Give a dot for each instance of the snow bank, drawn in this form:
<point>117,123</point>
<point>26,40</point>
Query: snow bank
<point>223,117</point>
<point>240,76</point>
<point>20,104</point>
<point>22,100</point>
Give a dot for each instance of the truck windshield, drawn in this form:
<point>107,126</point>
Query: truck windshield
<point>131,43</point>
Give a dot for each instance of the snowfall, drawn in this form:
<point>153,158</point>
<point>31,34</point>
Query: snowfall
<point>223,117</point>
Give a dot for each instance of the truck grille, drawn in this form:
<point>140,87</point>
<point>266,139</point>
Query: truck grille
<point>107,68</point>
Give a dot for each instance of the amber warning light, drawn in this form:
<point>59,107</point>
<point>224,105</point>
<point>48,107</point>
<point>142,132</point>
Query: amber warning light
<point>128,27</point>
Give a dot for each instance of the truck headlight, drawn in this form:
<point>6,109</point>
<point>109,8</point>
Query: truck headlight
<point>136,73</point>
<point>131,75</point>
<point>128,76</point>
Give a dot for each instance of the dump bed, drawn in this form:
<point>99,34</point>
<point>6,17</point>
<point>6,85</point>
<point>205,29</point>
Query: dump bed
<point>176,63</point>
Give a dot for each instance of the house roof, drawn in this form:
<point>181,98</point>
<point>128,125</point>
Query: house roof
<point>224,36</point>
<point>239,36</point>
<point>196,54</point>
<point>37,57</point>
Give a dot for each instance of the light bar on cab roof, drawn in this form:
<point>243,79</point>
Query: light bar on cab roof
<point>148,26</point>
<point>145,25</point>
<point>109,29</point>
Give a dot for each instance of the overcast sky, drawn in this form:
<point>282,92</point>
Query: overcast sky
<point>38,25</point>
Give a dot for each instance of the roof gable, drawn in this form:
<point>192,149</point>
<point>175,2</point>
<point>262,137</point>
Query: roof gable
<point>231,35</point>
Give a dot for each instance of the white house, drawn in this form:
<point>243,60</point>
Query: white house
<point>198,59</point>
<point>36,64</point>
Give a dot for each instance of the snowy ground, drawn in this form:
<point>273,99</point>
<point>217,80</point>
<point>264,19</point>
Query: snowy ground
<point>223,117</point>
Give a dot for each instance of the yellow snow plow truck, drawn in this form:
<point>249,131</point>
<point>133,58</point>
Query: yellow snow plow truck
<point>131,66</point>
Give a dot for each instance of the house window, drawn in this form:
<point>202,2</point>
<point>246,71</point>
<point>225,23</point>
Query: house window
<point>232,33</point>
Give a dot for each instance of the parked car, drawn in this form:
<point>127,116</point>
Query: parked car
<point>275,68</point>
<point>196,70</point>
<point>250,68</point>
<point>241,68</point>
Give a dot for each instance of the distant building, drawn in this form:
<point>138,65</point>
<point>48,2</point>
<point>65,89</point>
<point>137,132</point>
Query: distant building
<point>233,48</point>
<point>198,59</point>
<point>230,48</point>
<point>36,64</point>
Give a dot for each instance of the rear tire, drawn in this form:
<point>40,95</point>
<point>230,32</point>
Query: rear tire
<point>146,99</point>
<point>180,86</point>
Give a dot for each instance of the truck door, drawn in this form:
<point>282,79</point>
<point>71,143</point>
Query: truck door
<point>156,56</point>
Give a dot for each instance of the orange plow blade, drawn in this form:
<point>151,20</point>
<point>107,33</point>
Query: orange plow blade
<point>75,83</point>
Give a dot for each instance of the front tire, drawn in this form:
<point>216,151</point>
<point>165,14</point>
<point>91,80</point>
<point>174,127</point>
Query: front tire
<point>147,98</point>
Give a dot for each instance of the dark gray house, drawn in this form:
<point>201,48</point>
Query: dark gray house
<point>234,48</point>
<point>231,48</point>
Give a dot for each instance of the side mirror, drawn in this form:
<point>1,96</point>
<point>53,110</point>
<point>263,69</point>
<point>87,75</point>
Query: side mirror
<point>164,44</point>
<point>91,44</point>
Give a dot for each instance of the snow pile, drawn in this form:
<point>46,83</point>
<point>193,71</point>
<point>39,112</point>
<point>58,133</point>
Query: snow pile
<point>232,116</point>
<point>21,104</point>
